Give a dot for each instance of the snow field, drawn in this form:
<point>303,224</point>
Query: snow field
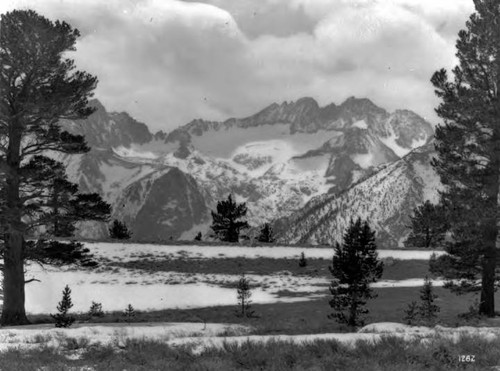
<point>116,287</point>
<point>155,291</point>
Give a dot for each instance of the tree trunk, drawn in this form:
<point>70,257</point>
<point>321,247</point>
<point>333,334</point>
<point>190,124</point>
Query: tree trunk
<point>487,304</point>
<point>13,312</point>
<point>353,308</point>
<point>487,301</point>
<point>489,263</point>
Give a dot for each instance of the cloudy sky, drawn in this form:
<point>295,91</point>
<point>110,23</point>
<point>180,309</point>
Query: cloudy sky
<point>167,62</point>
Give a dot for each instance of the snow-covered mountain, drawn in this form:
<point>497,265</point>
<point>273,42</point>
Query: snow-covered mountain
<point>386,199</point>
<point>164,185</point>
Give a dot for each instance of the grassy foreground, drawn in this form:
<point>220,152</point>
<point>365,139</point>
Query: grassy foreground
<point>389,354</point>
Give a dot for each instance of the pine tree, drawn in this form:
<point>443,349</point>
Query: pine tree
<point>129,313</point>
<point>411,313</point>
<point>119,231</point>
<point>62,318</point>
<point>198,236</point>
<point>302,260</point>
<point>428,226</point>
<point>427,309</point>
<point>244,294</point>
<point>355,265</point>
<point>96,310</point>
<point>266,234</point>
<point>226,222</point>
<point>39,87</point>
<point>468,156</point>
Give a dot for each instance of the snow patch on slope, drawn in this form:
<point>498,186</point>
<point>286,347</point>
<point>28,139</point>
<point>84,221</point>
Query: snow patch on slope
<point>364,160</point>
<point>390,142</point>
<point>132,153</point>
<point>361,124</point>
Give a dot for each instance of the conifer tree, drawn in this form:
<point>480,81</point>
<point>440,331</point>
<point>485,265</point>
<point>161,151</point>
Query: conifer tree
<point>226,222</point>
<point>198,236</point>
<point>266,234</point>
<point>96,310</point>
<point>129,313</point>
<point>355,265</point>
<point>62,318</point>
<point>427,309</point>
<point>411,313</point>
<point>302,260</point>
<point>244,293</point>
<point>39,87</point>
<point>428,226</point>
<point>119,231</point>
<point>468,156</point>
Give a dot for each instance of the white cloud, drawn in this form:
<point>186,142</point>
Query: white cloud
<point>168,61</point>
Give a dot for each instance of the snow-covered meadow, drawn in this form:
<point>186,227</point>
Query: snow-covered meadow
<point>116,287</point>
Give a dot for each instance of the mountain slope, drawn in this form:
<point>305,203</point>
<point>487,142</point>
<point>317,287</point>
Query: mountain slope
<point>386,199</point>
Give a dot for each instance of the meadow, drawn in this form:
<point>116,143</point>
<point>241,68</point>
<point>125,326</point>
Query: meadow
<point>185,299</point>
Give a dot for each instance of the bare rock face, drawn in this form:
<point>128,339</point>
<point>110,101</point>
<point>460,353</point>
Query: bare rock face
<point>162,205</point>
<point>108,130</point>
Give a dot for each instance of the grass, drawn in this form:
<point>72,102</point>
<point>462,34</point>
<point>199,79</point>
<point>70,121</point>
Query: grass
<point>393,270</point>
<point>389,354</point>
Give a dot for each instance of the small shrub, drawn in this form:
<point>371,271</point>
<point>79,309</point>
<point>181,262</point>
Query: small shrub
<point>198,237</point>
<point>96,310</point>
<point>129,313</point>
<point>411,313</point>
<point>302,260</point>
<point>244,293</point>
<point>62,318</point>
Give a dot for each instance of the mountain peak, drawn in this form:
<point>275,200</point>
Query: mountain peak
<point>96,103</point>
<point>361,106</point>
<point>308,102</point>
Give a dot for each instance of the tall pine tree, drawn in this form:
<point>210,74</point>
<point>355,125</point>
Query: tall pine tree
<point>39,86</point>
<point>428,226</point>
<point>226,222</point>
<point>468,155</point>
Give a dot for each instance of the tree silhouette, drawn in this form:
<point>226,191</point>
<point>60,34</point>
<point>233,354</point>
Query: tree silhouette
<point>468,155</point>
<point>266,234</point>
<point>355,265</point>
<point>119,231</point>
<point>39,87</point>
<point>226,222</point>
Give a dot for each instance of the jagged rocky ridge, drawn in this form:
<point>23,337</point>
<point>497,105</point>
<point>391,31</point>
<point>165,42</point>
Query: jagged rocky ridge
<point>164,185</point>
